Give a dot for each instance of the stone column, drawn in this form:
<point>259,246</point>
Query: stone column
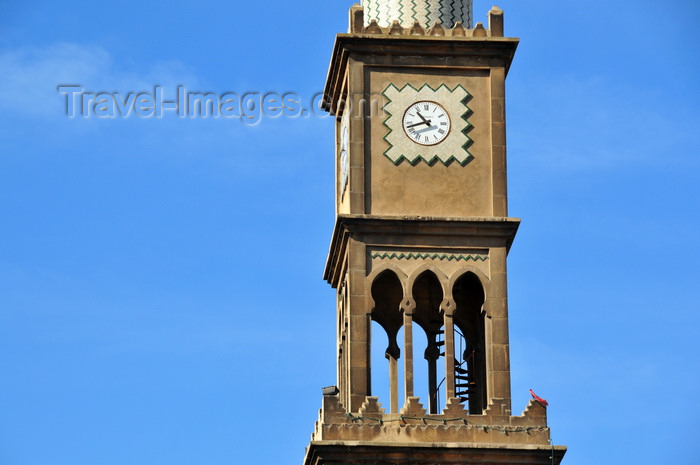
<point>408,306</point>
<point>498,141</point>
<point>359,326</point>
<point>498,357</point>
<point>394,385</point>
<point>448,309</point>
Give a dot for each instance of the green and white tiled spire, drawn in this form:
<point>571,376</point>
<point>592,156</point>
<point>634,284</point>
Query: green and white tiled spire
<point>426,12</point>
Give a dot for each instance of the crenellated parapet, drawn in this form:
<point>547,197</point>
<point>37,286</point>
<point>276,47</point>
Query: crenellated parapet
<point>414,425</point>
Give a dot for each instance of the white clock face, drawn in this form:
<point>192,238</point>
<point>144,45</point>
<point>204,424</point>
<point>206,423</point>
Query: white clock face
<point>426,123</point>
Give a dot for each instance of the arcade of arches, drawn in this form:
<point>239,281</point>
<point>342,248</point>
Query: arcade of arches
<point>444,326</point>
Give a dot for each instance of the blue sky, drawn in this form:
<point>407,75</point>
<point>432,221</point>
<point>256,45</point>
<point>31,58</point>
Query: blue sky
<point>161,299</point>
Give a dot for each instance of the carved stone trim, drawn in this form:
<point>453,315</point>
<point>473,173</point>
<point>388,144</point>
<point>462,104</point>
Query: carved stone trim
<point>428,256</point>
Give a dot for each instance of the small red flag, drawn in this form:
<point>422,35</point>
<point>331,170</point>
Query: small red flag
<point>539,399</point>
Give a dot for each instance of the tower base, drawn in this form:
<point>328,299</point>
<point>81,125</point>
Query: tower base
<point>413,437</point>
<point>362,453</point>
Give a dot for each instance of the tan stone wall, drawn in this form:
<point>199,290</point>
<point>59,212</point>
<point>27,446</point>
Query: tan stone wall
<point>381,185</point>
<point>436,190</point>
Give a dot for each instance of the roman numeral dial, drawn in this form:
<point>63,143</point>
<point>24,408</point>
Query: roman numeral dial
<point>426,123</point>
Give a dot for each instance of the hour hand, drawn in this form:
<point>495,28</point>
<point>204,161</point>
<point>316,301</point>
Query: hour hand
<point>425,121</point>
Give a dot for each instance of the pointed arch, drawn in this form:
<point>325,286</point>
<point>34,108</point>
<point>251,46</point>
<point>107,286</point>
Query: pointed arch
<point>454,277</point>
<point>428,293</point>
<point>387,294</point>
<point>382,267</point>
<point>441,277</point>
<point>470,335</point>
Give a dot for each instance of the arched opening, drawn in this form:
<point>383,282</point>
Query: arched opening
<point>470,350</point>
<point>387,293</point>
<point>428,295</point>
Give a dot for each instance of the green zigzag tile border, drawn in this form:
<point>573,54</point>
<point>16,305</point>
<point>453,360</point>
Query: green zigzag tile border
<point>414,10</point>
<point>465,131</point>
<point>433,256</point>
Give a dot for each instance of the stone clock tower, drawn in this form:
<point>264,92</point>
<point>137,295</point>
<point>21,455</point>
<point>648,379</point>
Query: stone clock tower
<point>418,254</point>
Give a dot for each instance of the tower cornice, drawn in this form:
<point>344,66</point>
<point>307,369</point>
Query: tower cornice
<point>381,230</point>
<point>472,52</point>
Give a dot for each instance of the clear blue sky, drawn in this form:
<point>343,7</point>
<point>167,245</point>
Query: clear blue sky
<point>161,300</point>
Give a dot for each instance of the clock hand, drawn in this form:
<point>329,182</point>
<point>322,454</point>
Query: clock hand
<point>426,121</point>
<point>418,124</point>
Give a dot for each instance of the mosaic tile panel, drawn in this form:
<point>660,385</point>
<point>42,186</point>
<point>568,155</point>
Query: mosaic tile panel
<point>426,12</point>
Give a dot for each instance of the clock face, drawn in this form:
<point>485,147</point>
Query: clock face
<point>426,123</point>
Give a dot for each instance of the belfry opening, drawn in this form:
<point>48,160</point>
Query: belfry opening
<point>464,358</point>
<point>470,353</point>
<point>387,293</point>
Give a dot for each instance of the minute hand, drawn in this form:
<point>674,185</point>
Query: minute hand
<point>418,124</point>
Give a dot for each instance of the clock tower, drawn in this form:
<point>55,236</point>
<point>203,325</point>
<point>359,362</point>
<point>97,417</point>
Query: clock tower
<point>418,253</point>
